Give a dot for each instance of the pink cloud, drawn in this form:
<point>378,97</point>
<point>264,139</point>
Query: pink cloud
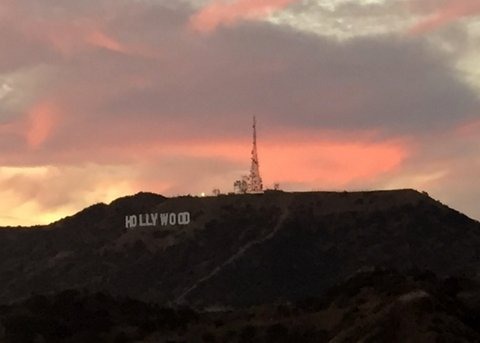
<point>71,39</point>
<point>102,40</point>
<point>227,13</point>
<point>79,33</point>
<point>42,119</point>
<point>444,13</point>
<point>332,162</point>
<point>65,36</point>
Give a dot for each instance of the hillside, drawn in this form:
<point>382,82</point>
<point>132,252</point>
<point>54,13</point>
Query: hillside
<point>238,250</point>
<point>371,306</point>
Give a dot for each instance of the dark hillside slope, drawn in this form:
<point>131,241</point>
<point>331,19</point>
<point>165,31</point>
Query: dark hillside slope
<point>238,250</point>
<point>373,306</point>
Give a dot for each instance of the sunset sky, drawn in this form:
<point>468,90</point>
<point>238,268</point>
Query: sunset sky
<point>105,98</point>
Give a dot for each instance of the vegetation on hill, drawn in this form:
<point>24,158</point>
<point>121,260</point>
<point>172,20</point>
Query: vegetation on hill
<point>273,267</point>
<point>238,250</point>
<point>371,306</point>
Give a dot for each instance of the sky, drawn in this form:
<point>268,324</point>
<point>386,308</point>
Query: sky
<point>105,98</point>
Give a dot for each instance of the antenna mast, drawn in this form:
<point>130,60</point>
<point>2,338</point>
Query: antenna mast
<point>255,184</point>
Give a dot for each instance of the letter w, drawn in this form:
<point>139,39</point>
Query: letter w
<point>164,219</point>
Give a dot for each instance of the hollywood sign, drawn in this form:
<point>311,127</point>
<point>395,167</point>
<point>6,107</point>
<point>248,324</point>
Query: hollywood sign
<point>157,219</point>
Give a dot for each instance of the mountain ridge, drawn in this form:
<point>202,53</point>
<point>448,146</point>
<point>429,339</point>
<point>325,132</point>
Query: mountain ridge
<point>238,250</point>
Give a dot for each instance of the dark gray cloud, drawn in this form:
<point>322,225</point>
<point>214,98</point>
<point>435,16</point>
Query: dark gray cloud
<point>289,78</point>
<point>172,83</point>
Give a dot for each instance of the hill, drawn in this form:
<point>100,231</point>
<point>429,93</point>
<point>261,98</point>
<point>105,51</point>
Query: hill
<point>371,306</point>
<point>237,250</point>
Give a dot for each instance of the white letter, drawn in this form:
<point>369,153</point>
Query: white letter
<point>154,217</point>
<point>184,218</point>
<point>141,222</point>
<point>172,220</point>
<point>164,219</point>
<point>130,221</point>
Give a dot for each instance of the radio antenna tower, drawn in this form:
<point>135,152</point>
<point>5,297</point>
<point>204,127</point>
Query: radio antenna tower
<point>255,184</point>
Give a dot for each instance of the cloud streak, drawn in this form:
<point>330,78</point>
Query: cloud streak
<point>42,120</point>
<point>442,13</point>
<point>218,12</point>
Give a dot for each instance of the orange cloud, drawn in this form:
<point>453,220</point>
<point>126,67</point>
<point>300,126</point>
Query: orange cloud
<point>325,163</point>
<point>449,11</point>
<point>42,119</point>
<point>70,38</point>
<point>221,13</point>
<point>100,39</point>
<point>331,164</point>
<point>43,194</point>
<point>87,37</point>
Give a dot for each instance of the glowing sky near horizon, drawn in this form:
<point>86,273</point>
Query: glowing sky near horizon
<point>104,98</point>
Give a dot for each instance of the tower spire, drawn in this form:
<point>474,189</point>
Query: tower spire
<point>255,181</point>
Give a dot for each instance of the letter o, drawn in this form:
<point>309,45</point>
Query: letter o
<point>172,219</point>
<point>184,218</point>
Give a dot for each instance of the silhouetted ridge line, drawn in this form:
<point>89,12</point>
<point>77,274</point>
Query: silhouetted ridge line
<point>238,250</point>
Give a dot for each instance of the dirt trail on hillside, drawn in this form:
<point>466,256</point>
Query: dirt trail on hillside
<point>240,252</point>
